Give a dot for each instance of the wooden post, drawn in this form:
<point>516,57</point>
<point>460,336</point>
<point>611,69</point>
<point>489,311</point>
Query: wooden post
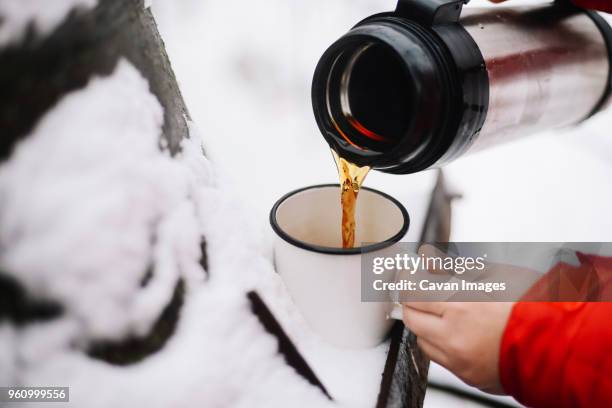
<point>404,380</point>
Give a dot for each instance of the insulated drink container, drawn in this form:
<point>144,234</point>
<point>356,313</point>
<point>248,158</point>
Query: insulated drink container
<point>420,86</point>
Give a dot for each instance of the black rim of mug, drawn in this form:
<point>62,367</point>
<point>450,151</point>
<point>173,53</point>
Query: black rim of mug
<point>334,250</point>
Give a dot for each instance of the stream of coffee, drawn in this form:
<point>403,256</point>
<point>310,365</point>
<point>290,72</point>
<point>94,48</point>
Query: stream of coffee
<point>351,178</point>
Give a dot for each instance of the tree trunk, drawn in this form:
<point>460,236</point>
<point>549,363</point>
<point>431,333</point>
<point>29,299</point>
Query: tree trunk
<point>36,72</point>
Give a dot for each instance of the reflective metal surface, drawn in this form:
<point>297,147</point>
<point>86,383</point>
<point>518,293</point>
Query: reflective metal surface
<point>546,68</point>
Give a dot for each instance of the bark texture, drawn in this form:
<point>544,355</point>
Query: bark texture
<point>36,72</point>
<point>404,380</point>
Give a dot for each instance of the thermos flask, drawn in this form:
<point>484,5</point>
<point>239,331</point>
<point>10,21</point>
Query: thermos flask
<point>416,88</point>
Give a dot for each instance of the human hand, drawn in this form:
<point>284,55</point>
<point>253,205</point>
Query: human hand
<point>463,337</point>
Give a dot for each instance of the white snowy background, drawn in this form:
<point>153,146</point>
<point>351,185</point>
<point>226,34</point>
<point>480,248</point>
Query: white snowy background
<point>77,211</point>
<point>245,70</point>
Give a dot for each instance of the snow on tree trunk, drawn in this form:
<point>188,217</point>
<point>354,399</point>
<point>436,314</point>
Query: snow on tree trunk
<point>110,222</point>
<point>36,69</point>
<point>49,51</point>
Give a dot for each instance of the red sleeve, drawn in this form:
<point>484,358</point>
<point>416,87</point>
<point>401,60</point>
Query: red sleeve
<point>560,354</point>
<point>600,5</point>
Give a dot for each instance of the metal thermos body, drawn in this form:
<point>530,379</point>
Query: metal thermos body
<point>429,82</point>
<point>541,76</point>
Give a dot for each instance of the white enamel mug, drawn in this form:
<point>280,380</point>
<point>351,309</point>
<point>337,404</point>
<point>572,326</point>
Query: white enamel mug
<point>324,279</point>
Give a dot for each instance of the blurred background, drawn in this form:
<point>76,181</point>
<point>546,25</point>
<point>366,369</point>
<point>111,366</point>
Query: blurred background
<point>245,70</point>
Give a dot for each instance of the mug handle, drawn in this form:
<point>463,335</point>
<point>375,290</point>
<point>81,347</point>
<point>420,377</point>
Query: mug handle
<point>397,312</point>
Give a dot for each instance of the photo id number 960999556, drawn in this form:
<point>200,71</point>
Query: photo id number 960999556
<point>33,394</point>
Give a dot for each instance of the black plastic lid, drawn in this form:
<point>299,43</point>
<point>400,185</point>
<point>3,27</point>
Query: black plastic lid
<point>391,93</point>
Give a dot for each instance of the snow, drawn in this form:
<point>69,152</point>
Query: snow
<point>17,15</point>
<point>351,376</point>
<point>248,87</point>
<point>83,196</point>
<point>440,376</point>
<point>251,96</point>
<point>61,185</point>
<point>88,203</point>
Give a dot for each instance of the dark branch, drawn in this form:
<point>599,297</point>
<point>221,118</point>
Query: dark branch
<point>17,307</point>
<point>135,349</point>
